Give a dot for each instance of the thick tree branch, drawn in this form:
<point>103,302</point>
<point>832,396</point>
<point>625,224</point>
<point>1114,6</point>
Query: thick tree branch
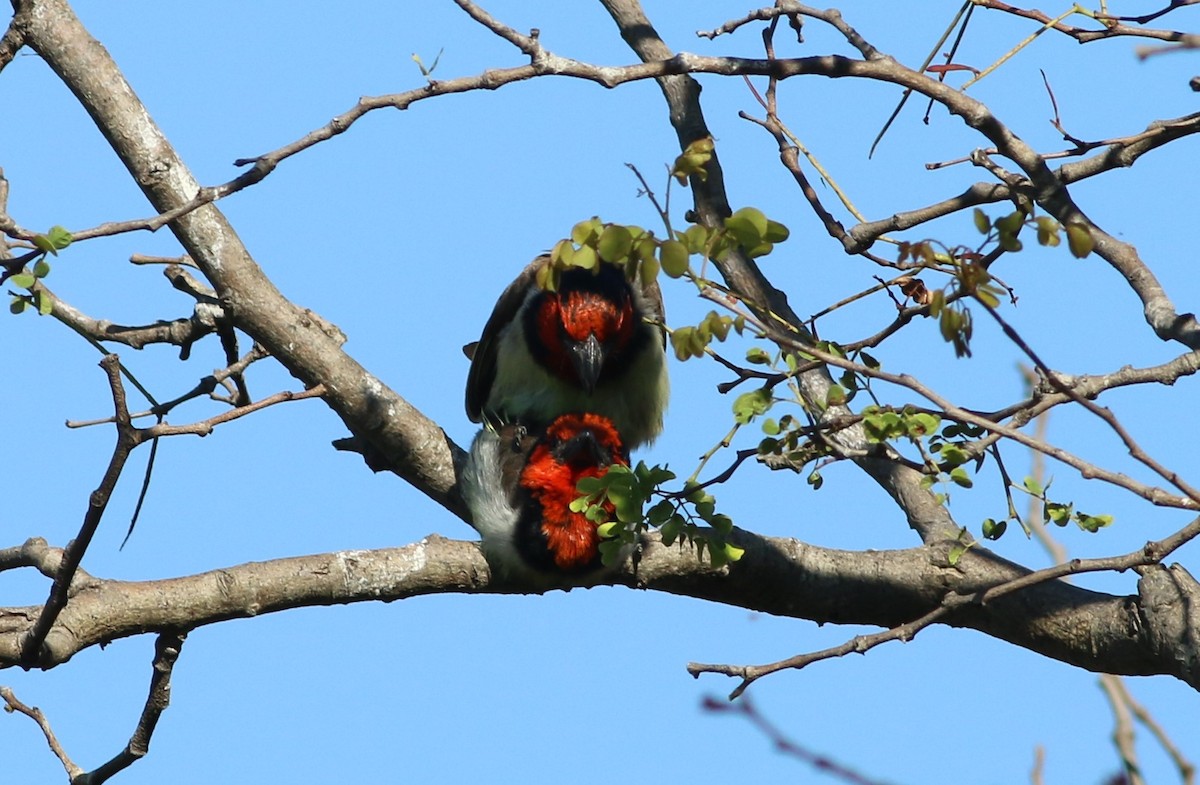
<point>10,44</point>
<point>1154,632</point>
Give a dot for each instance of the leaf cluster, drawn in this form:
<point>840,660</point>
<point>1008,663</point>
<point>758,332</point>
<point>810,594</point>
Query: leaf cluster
<point>50,243</point>
<point>616,501</point>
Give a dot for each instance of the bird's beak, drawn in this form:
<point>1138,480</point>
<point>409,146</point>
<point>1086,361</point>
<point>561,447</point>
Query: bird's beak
<point>588,358</point>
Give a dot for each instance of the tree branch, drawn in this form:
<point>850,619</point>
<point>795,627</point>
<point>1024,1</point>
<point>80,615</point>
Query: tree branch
<point>1132,635</point>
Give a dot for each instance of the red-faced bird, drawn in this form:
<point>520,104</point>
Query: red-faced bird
<point>588,346</point>
<point>519,483</point>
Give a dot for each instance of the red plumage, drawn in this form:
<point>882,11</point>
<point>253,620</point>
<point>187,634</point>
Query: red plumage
<point>551,476</point>
<point>519,484</point>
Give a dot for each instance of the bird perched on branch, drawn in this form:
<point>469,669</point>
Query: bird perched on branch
<point>518,484</point>
<point>592,342</point>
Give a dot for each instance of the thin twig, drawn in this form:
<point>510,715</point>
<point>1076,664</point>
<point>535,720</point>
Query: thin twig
<point>166,651</point>
<point>1123,729</point>
<point>11,704</point>
<point>1151,553</point>
<point>781,743</point>
<point>127,440</point>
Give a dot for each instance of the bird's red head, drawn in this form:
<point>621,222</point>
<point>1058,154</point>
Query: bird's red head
<point>574,446</point>
<point>581,331</point>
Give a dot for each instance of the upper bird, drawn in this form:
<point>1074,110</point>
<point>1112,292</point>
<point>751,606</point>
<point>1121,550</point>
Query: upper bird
<point>595,343</point>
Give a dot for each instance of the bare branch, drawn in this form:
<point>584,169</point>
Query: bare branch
<point>1150,553</point>
<point>179,332</point>
<point>205,427</point>
<point>781,743</point>
<point>1187,771</point>
<point>1082,35</point>
<point>64,579</point>
<point>1123,730</point>
<point>11,704</point>
<point>166,652</point>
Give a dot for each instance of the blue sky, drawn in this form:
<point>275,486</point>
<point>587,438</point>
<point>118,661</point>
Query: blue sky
<point>402,231</point>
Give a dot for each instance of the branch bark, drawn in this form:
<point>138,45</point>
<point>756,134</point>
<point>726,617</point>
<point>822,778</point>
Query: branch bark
<point>1156,631</point>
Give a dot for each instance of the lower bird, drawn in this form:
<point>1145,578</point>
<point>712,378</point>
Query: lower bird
<point>519,483</point>
<point>595,343</point>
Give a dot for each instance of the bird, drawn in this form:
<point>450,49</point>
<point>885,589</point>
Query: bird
<point>518,484</point>
<point>595,344</point>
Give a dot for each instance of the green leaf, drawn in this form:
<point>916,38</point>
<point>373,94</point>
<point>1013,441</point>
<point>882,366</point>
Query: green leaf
<point>608,530</point>
<point>1047,231</point>
<point>987,297</point>
<point>673,256</point>
<point>1033,486</point>
<point>695,238</point>
<point>959,476</point>
<point>1080,240</point>
<point>748,226</point>
<point>732,552</point>
<point>17,305</point>
<point>1092,523</point>
<point>720,522</point>
<point>757,356</point>
<point>585,257</point>
<point>590,485</point>
<point>692,160</point>
<point>41,268</point>
<point>937,301</point>
<point>22,280</point>
<point>952,455</point>
<point>660,513</point>
<point>717,325</point>
<point>627,506</point>
<point>671,529</point>
<point>956,552</point>
<point>815,480</point>
<point>982,222</point>
<point>922,424</point>
<point>585,232</point>
<point>426,72</point>
<point>650,267</point>
<point>60,237</point>
<point>776,232</point>
<point>45,303</point>
<point>614,244</point>
<point>1059,514</point>
<point>750,404</point>
<point>1011,223</point>
<point>53,241</point>
<point>992,529</point>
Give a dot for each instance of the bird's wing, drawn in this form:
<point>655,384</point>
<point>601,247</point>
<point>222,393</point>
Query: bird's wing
<point>483,361</point>
<point>652,305</point>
